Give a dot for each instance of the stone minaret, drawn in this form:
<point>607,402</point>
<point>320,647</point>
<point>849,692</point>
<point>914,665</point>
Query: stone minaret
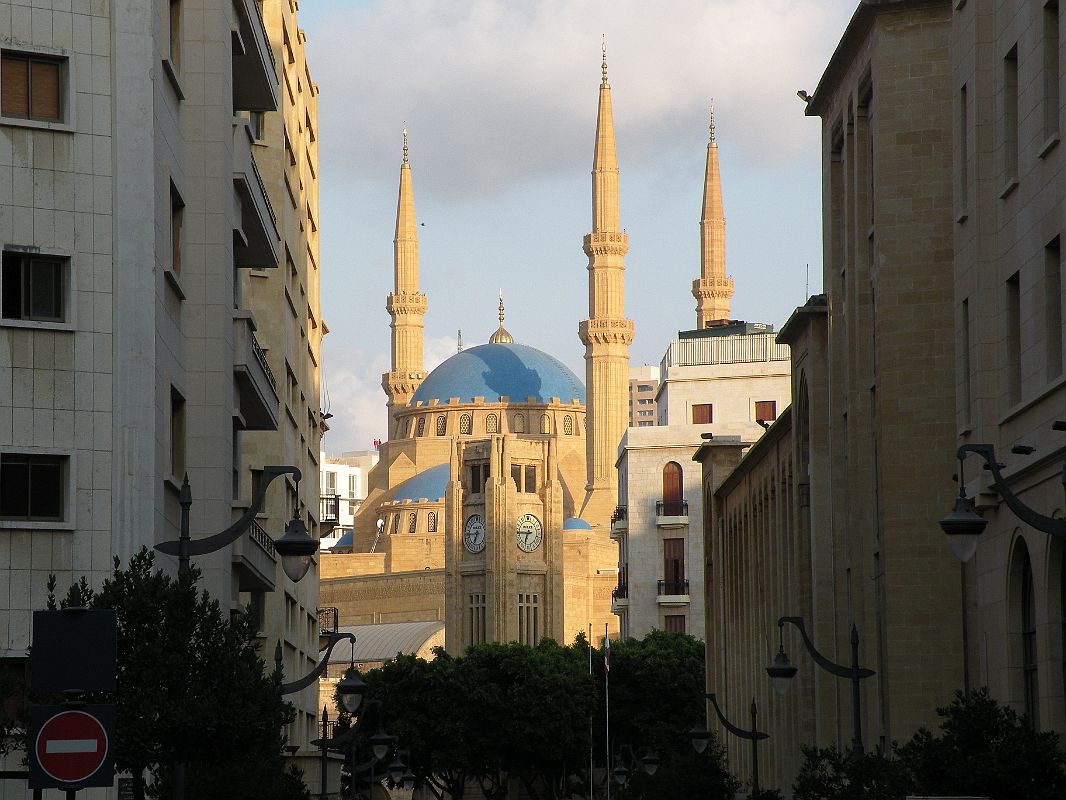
<point>406,305</point>
<point>713,288</point>
<point>606,334</point>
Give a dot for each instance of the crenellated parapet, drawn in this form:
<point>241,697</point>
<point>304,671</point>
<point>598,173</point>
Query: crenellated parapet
<point>606,331</point>
<point>406,304</point>
<point>606,243</point>
<point>715,287</point>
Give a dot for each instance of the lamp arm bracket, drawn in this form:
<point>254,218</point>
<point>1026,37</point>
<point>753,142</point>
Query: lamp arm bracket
<point>1049,525</point>
<point>729,726</point>
<point>313,675</point>
<point>210,544</point>
<point>823,662</point>
<point>344,739</point>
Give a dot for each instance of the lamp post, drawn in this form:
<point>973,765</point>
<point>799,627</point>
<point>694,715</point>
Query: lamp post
<point>964,525</point>
<point>782,671</point>
<point>700,737</point>
<point>626,761</point>
<point>295,547</point>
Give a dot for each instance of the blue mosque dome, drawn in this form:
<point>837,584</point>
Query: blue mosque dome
<point>496,370</point>
<point>576,524</point>
<point>430,484</point>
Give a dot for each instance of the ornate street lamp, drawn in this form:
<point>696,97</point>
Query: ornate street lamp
<point>700,737</point>
<point>626,761</point>
<point>964,525</point>
<point>782,671</point>
<point>313,675</point>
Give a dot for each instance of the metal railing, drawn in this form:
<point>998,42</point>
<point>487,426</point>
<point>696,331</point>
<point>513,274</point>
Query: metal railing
<point>328,620</point>
<point>329,507</point>
<point>262,188</point>
<point>723,350</point>
<point>266,37</point>
<point>674,586</point>
<point>619,514</point>
<point>261,537</point>
<point>621,591</point>
<point>261,357</point>
<point>671,508</point>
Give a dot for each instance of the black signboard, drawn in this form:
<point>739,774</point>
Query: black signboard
<point>74,649</point>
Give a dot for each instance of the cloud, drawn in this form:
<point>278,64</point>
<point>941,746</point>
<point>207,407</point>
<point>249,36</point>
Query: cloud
<point>495,93</point>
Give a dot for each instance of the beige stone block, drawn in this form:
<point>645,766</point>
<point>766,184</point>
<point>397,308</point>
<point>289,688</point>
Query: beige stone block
<point>43,387</point>
<point>22,387</point>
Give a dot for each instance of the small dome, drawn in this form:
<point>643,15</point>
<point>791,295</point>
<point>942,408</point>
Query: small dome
<point>492,371</point>
<point>429,484</point>
<point>576,524</point>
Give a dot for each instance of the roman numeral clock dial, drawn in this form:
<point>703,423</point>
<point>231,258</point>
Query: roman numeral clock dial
<point>474,533</point>
<point>529,533</point>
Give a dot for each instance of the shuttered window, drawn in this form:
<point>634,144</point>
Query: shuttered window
<point>766,410</point>
<point>702,414</point>
<point>30,87</point>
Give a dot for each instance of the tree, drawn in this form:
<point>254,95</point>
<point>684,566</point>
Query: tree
<point>987,750</point>
<point>192,690</point>
<point>828,773</point>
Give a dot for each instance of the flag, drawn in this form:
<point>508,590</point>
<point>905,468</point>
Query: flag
<point>607,654</point>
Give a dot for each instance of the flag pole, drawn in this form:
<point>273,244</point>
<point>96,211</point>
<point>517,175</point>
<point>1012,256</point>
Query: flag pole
<point>607,696</point>
<point>592,744</point>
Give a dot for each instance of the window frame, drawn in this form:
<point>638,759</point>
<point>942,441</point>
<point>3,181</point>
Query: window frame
<point>68,518</point>
<point>66,292</point>
<point>65,59</point>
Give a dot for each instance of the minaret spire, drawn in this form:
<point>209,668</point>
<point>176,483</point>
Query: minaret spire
<point>406,305</point>
<point>713,289</point>
<point>606,334</point>
<point>501,336</point>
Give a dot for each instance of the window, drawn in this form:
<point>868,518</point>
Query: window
<point>1029,668</point>
<point>702,413</point>
<point>528,619</point>
<point>1051,69</point>
<point>674,567</point>
<point>645,387</point>
<point>177,215</point>
<point>31,486</point>
<point>1053,308</point>
<point>177,434</point>
<point>530,472</point>
<point>257,120</point>
<point>479,476</point>
<point>421,429</point>
<point>766,410</point>
<point>175,34</point>
<point>476,617</point>
<point>675,623</point>
<point>412,522</point>
<point>545,424</point>
<point>516,476</point>
<point>34,288</point>
<point>519,423</point>
<point>31,86</point>
<point>1014,339</point>
<point>964,358</point>
<point>466,424</point>
<point>568,425</point>
<point>395,523</point>
<point>647,401</point>
<point>492,424</point>
<point>432,520</point>
<point>964,149</point>
<point>442,425</point>
<point>1010,114</point>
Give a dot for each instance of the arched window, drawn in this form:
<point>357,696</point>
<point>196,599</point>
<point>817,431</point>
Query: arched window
<point>432,521</point>
<point>1022,631</point>
<point>568,425</point>
<point>421,429</point>
<point>672,500</point>
<point>1029,642</point>
<point>492,424</point>
<point>396,523</point>
<point>519,423</point>
<point>545,424</point>
<point>412,522</point>
<point>466,424</point>
<point>442,425</point>
<point>410,426</point>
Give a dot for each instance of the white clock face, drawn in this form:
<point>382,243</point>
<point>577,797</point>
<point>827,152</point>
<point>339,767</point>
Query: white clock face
<point>474,533</point>
<point>529,533</point>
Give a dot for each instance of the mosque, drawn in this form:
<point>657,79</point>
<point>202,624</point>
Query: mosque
<point>490,507</point>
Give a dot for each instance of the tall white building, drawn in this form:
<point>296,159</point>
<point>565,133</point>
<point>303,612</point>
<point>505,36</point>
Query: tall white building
<point>343,490</point>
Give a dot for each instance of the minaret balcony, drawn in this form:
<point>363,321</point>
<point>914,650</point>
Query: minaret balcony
<point>255,76</point>
<point>602,243</point>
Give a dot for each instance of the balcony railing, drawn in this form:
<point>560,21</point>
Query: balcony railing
<point>263,28</point>
<point>261,537</point>
<point>674,586</point>
<point>330,507</point>
<point>328,621</point>
<point>619,514</point>
<point>259,180</point>
<point>261,357</point>
<point>621,591</point>
<point>671,508</point>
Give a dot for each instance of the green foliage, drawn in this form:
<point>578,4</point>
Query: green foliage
<point>192,689</point>
<point>986,750</point>
<point>831,774</point>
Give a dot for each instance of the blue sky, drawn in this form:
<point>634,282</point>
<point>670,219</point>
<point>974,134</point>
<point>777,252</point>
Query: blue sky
<point>500,102</point>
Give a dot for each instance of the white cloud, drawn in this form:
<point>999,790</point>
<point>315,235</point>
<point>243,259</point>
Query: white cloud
<point>497,92</point>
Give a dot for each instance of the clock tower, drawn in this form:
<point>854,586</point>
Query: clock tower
<point>504,554</point>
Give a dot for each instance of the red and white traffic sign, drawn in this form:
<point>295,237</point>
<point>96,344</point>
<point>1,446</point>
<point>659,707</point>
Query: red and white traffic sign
<point>71,746</point>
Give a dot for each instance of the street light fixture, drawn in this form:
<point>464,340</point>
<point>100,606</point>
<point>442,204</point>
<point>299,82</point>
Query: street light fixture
<point>964,525</point>
<point>701,737</point>
<point>626,761</point>
<point>782,671</point>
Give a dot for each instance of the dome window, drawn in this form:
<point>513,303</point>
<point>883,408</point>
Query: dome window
<point>442,425</point>
<point>412,522</point>
<point>492,424</point>
<point>568,425</point>
<point>421,429</point>
<point>466,424</point>
<point>432,521</point>
<point>519,423</point>
<point>545,424</point>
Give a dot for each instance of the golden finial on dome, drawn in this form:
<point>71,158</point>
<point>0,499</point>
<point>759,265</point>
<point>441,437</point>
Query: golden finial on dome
<point>405,143</point>
<point>501,336</point>
<point>603,49</point>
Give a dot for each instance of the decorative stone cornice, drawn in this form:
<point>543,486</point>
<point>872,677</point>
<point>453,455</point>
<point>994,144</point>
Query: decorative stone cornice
<point>606,331</point>
<point>404,304</point>
<point>605,243</point>
<point>398,384</point>
<point>715,287</point>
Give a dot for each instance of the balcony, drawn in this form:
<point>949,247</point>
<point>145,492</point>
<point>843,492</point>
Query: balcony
<point>673,592</point>
<point>255,561</point>
<point>620,598</point>
<point>329,508</point>
<point>257,390</point>
<point>671,513</point>
<point>256,243</point>
<point>255,74</point>
<point>619,522</point>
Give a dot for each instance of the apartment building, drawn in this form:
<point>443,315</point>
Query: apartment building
<point>643,383</point>
<point>344,488</point>
<point>157,193</point>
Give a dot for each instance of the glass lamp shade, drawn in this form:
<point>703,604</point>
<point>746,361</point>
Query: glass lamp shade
<point>351,689</point>
<point>963,525</point>
<point>396,770</point>
<point>380,744</point>
<point>296,548</point>
<point>781,672</point>
<point>408,780</point>
<point>621,774</point>
<point>650,762</point>
<point>699,739</point>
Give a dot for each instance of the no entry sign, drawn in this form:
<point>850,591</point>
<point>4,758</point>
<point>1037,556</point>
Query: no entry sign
<point>71,747</point>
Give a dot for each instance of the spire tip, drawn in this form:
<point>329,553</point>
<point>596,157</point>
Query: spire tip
<point>712,119</point>
<point>603,50</point>
<point>405,143</point>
